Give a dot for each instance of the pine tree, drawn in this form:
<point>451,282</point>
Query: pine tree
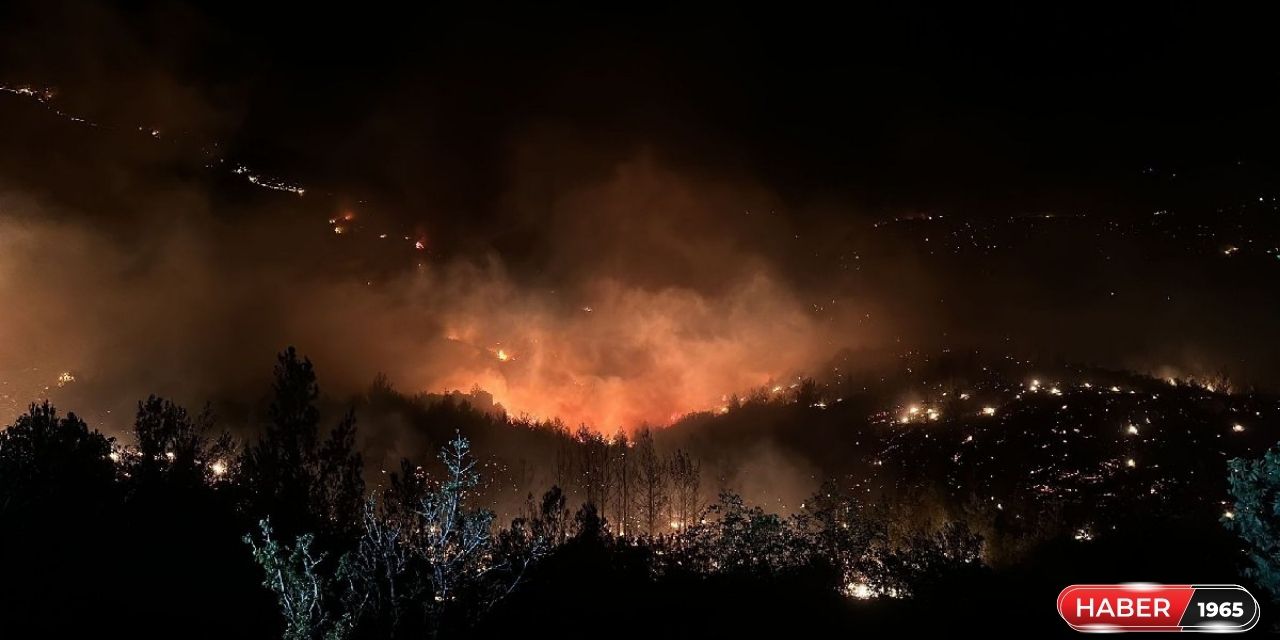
<point>652,477</point>
<point>623,479</point>
<point>686,484</point>
<point>304,483</point>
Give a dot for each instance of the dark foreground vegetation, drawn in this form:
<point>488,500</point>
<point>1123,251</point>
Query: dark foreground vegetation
<point>187,532</point>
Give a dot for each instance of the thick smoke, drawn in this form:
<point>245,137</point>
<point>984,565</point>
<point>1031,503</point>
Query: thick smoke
<point>634,297</point>
<point>195,305</point>
<point>614,239</point>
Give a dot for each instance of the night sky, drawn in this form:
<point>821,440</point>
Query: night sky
<point>618,217</point>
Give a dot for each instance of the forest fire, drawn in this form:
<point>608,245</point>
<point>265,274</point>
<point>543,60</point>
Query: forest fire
<point>631,325</point>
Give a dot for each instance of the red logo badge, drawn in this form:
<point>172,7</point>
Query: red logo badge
<point>1158,607</point>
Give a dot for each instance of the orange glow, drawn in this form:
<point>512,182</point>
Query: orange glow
<point>640,357</point>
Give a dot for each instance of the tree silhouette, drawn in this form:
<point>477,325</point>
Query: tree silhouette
<point>174,447</point>
<point>842,531</point>
<point>589,524</point>
<point>735,538</point>
<point>924,561</point>
<point>57,502</point>
<point>595,462</point>
<point>623,481</point>
<point>50,463</point>
<point>303,483</point>
<point>686,484</point>
<point>338,492</point>
<point>652,479</point>
<point>426,560</point>
<point>553,517</point>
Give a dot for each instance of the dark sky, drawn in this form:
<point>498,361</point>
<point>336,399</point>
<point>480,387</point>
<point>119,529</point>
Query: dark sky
<point>1010,108</point>
<point>653,206</point>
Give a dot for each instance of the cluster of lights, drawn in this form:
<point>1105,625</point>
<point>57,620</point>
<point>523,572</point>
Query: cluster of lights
<point>45,98</point>
<point>1064,469</point>
<point>915,412</point>
<point>258,180</point>
<point>218,468</point>
<point>859,591</point>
